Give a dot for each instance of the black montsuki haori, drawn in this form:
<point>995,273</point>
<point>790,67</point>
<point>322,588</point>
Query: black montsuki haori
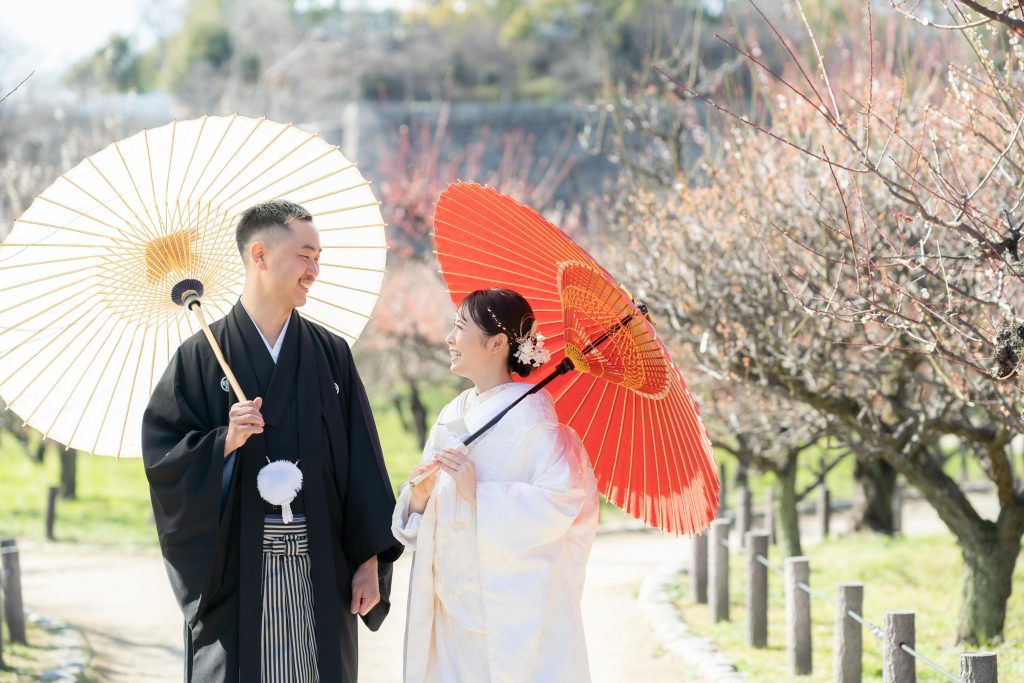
<point>209,514</point>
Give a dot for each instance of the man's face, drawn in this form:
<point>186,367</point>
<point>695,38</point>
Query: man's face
<point>290,264</point>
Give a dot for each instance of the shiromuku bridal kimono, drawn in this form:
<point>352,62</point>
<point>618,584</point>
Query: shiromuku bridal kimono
<point>495,590</point>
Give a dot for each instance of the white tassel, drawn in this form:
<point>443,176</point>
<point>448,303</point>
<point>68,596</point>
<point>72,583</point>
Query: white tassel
<point>278,483</point>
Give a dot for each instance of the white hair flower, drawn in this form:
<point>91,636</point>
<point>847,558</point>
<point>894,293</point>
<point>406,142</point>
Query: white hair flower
<point>531,350</point>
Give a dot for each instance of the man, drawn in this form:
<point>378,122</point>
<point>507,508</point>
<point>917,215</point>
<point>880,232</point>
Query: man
<point>265,598</point>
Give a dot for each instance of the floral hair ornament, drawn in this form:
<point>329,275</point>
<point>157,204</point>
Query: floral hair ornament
<point>531,349</point>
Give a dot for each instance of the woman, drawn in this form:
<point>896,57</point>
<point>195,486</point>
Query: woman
<point>501,534</point>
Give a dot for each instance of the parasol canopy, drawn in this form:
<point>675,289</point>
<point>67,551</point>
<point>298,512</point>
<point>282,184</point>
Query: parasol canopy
<point>627,400</point>
<point>87,320</point>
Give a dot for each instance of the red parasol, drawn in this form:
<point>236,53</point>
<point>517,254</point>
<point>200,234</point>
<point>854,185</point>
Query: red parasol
<point>628,402</point>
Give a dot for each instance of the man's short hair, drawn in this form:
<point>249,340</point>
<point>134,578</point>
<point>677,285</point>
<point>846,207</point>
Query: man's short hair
<point>272,216</point>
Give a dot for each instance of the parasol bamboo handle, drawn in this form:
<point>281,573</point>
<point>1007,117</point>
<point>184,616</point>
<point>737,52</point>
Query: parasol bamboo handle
<point>191,300</point>
<point>423,475</point>
<point>434,468</point>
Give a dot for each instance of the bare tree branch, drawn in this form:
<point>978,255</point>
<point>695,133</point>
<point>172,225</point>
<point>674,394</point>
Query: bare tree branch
<point>17,86</point>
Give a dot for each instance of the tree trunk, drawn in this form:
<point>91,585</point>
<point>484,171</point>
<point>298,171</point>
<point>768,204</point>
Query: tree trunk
<point>742,473</point>
<point>25,446</point>
<point>69,474</point>
<point>989,549</point>
<point>877,480</point>
<point>743,515</point>
<point>400,409</point>
<point>988,581</point>
<point>789,520</point>
<point>41,450</point>
<point>419,413</point>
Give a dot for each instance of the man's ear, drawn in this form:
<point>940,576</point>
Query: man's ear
<point>257,254</point>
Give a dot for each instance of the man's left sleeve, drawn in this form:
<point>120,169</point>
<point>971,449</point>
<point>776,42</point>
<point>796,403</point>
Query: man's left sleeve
<point>369,502</point>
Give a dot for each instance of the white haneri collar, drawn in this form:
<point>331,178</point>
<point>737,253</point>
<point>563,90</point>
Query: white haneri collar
<point>274,350</point>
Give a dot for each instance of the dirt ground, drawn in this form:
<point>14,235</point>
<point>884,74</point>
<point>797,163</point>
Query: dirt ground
<point>124,607</point>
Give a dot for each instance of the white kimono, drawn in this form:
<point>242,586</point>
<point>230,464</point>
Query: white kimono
<point>495,591</point>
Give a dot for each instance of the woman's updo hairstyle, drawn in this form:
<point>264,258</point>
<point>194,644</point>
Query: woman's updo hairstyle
<point>502,311</point>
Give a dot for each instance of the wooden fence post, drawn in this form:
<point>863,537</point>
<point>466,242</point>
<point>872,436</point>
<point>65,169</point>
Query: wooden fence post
<point>718,570</point>
<point>14,610</point>
<point>898,666</point>
<point>798,615</point>
<point>847,646</point>
<point>978,667</point>
<point>744,513</point>
<point>757,590</point>
<point>51,510</point>
<point>824,511</point>
<point>699,568</point>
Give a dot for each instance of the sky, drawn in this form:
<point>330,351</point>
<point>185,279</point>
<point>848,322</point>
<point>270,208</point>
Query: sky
<point>49,35</point>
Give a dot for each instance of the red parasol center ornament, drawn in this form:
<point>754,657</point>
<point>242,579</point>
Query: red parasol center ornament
<point>611,377</point>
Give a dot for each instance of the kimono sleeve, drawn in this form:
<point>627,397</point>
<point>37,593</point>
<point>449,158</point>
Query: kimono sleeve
<point>517,519</point>
<point>369,501</point>
<point>405,525</point>
<point>183,452</point>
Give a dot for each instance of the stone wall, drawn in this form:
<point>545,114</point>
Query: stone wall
<point>364,129</point>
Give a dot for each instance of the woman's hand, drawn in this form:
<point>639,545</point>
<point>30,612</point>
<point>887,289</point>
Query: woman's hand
<point>462,469</point>
<point>421,491</point>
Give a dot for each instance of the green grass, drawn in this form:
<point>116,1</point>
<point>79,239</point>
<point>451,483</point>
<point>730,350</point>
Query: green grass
<point>112,507</point>
<point>919,574</point>
<point>28,662</point>
<point>401,451</point>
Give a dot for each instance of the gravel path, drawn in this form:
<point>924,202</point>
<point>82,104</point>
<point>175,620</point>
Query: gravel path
<point>123,605</point>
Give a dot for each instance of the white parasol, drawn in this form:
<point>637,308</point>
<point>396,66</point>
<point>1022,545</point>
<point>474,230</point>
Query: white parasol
<point>87,320</point>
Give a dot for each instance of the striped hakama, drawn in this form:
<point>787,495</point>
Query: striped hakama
<point>288,633</point>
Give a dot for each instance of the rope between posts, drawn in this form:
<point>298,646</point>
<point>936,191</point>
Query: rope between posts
<point>813,593</point>
<point>874,630</point>
<point>732,546</point>
<point>768,565</point>
<point>910,651</point>
<point>8,551</point>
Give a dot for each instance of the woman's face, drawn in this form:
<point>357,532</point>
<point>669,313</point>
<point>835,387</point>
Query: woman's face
<point>473,353</point>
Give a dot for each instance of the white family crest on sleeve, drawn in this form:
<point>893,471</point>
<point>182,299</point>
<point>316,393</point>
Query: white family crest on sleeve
<point>224,384</point>
<point>337,389</point>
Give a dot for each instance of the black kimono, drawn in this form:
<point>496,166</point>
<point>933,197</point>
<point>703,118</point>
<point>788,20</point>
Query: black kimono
<point>209,514</point>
